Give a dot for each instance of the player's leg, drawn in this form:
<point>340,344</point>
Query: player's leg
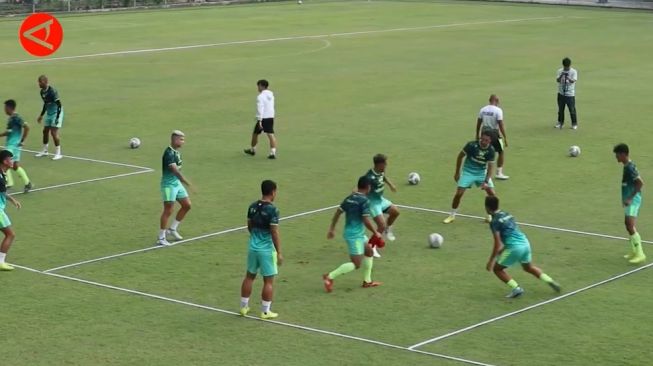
<point>561,111</point>
<point>571,103</point>
<point>506,259</point>
<point>376,210</point>
<point>269,270</point>
<point>184,201</point>
<point>368,262</point>
<point>22,174</point>
<point>10,179</point>
<point>498,146</point>
<point>460,191</point>
<point>537,272</point>
<point>356,249</point>
<point>393,213</point>
<point>258,129</point>
<point>248,281</point>
<point>5,227</point>
<point>268,128</point>
<point>168,208</point>
<point>46,138</point>
<point>54,131</point>
<point>637,252</point>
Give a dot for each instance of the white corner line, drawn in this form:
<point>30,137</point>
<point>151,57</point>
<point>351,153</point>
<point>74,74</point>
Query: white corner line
<point>196,238</point>
<point>531,307</point>
<point>277,39</point>
<point>96,161</point>
<point>553,228</point>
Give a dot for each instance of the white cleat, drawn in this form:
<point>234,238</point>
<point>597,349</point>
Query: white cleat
<point>574,127</point>
<point>162,243</point>
<point>558,126</point>
<point>375,253</point>
<point>174,234</point>
<point>42,154</point>
<point>57,157</point>
<point>502,176</point>
<point>390,235</point>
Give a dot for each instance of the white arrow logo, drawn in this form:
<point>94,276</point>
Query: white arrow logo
<point>29,34</point>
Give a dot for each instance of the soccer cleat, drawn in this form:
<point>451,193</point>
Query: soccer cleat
<point>174,234</point>
<point>162,242</point>
<point>371,284</point>
<point>42,153</point>
<point>515,293</point>
<point>272,156</point>
<point>558,126</point>
<point>390,235</point>
<point>57,157</point>
<point>250,152</point>
<point>630,255</point>
<point>269,315</point>
<point>555,286</point>
<point>502,176</point>
<point>449,219</point>
<point>244,311</point>
<point>638,259</point>
<point>574,127</point>
<point>375,253</point>
<point>6,267</point>
<point>28,187</point>
<point>328,283</point>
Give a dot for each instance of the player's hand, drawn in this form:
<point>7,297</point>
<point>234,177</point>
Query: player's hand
<point>489,265</point>
<point>484,186</point>
<point>628,202</point>
<point>39,119</point>
<point>456,177</point>
<point>17,204</point>
<point>505,143</point>
<point>393,188</point>
<point>279,259</point>
<point>330,234</point>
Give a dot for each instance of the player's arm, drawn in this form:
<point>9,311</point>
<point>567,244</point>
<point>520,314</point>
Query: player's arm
<point>390,184</point>
<point>572,77</point>
<point>370,226</point>
<point>639,183</point>
<point>503,133</point>
<point>58,103</point>
<point>459,163</point>
<point>334,222</point>
<point>559,78</point>
<point>249,225</point>
<point>488,175</point>
<point>25,133</point>
<point>479,121</point>
<point>175,171</point>
<point>276,240</point>
<point>260,107</point>
<point>496,249</point>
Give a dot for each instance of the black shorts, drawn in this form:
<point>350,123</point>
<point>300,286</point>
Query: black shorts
<point>268,126</point>
<point>497,143</point>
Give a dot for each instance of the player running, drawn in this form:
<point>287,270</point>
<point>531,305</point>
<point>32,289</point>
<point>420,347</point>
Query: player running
<point>264,119</point>
<point>510,247</point>
<point>5,224</point>
<point>17,131</point>
<point>490,119</point>
<point>479,162</point>
<point>631,199</point>
<point>357,215</point>
<point>264,249</point>
<point>53,112</point>
<point>172,189</point>
<point>380,205</point>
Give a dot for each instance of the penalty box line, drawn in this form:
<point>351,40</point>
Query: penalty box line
<point>249,317</point>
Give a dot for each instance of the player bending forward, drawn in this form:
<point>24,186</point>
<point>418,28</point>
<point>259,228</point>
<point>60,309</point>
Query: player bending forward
<point>511,246</point>
<point>5,223</point>
<point>17,131</point>
<point>379,205</point>
<point>264,253</point>
<point>357,217</point>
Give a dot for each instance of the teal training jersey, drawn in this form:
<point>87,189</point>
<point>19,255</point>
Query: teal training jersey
<point>170,156</point>
<point>14,129</point>
<point>49,97</point>
<point>3,191</point>
<point>504,224</point>
<point>355,207</point>
<point>261,215</point>
<point>631,174</point>
<point>378,185</point>
<point>477,158</point>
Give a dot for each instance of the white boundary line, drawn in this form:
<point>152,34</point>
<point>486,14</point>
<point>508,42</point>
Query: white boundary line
<point>228,312</point>
<point>278,39</point>
<point>97,161</point>
<point>531,307</point>
<point>217,233</point>
<point>526,224</point>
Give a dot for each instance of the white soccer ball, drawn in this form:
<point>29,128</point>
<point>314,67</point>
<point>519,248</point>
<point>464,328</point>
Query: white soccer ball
<point>413,178</point>
<point>134,142</point>
<point>300,2</point>
<point>435,240</point>
<point>574,151</point>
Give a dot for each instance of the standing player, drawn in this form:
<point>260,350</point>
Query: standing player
<point>379,205</point>
<point>510,246</point>
<point>567,77</point>
<point>264,119</point>
<point>357,215</point>
<point>172,189</point>
<point>479,162</point>
<point>5,223</point>
<point>631,198</point>
<point>264,253</point>
<point>490,119</point>
<point>17,131</point>
<point>53,112</point>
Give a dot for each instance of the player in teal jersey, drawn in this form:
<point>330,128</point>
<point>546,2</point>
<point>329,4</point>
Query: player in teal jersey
<point>264,254</point>
<point>379,205</point>
<point>172,189</point>
<point>356,208</point>
<point>5,224</point>
<point>477,170</point>
<point>53,112</point>
<point>631,199</point>
<point>17,131</point>
<point>511,246</point>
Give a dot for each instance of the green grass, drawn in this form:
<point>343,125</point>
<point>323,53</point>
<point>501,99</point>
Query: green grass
<point>412,94</point>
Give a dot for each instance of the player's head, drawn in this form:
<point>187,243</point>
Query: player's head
<point>364,185</point>
<point>491,204</point>
<point>262,84</point>
<point>5,159</point>
<point>566,62</point>
<point>486,139</point>
<point>10,106</point>
<point>177,139</point>
<point>380,162</point>
<point>494,99</point>
<point>269,189</point>
<point>621,152</point>
<point>43,81</point>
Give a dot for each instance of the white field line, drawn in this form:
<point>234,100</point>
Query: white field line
<point>210,235</point>
<point>553,228</point>
<point>278,39</point>
<point>83,181</point>
<point>531,307</point>
<point>97,161</point>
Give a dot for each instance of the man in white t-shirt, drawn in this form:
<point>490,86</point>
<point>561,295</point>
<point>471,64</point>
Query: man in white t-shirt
<point>264,119</point>
<point>490,119</point>
<point>567,78</point>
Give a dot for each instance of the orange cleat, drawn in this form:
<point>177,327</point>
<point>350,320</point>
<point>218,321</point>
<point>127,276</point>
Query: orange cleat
<point>371,284</point>
<point>328,283</point>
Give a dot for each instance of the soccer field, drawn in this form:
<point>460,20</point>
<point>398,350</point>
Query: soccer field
<point>351,79</point>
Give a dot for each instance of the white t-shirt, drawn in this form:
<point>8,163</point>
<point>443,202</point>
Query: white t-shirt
<point>490,116</point>
<point>565,87</point>
<point>265,105</point>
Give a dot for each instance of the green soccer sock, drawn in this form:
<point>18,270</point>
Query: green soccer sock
<point>344,268</point>
<point>10,178</point>
<point>636,242</point>
<point>512,284</point>
<point>545,277</point>
<point>23,175</point>
<point>368,262</point>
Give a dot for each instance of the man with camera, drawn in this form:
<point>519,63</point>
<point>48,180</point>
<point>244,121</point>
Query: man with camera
<point>567,78</point>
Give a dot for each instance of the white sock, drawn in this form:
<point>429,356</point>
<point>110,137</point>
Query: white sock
<point>162,234</point>
<point>265,306</point>
<point>58,150</point>
<point>273,151</point>
<point>2,257</point>
<point>500,171</point>
<point>175,225</point>
<point>389,229</point>
<point>45,147</point>
<point>244,302</point>
<point>454,212</point>
<point>253,148</point>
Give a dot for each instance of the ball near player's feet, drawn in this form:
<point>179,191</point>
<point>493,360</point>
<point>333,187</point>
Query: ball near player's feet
<point>413,179</point>
<point>435,240</point>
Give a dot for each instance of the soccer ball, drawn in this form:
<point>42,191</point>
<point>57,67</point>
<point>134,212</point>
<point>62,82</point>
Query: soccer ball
<point>435,240</point>
<point>574,151</point>
<point>134,142</point>
<point>413,178</point>
<point>300,2</point>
